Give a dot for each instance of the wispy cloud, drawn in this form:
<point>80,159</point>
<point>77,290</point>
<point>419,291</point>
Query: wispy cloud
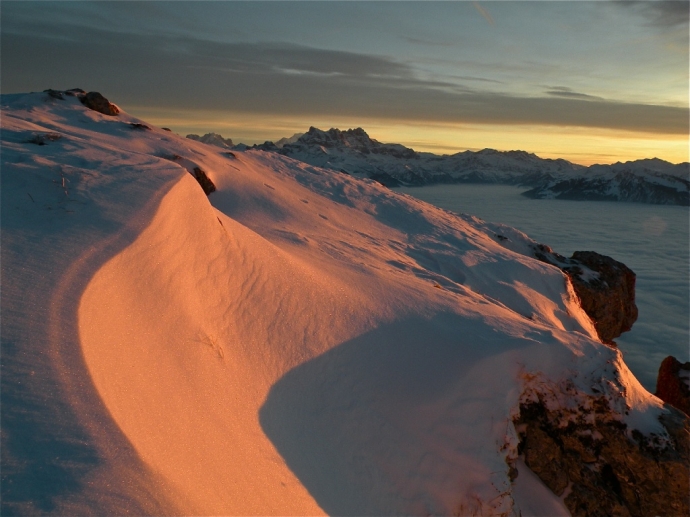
<point>484,13</point>
<point>430,43</point>
<point>564,91</point>
<point>663,13</point>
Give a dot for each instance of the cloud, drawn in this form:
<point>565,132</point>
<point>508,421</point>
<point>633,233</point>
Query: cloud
<point>279,79</point>
<point>664,13</point>
<point>563,91</point>
<point>419,41</point>
<point>484,13</point>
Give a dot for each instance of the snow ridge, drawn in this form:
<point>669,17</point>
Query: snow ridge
<point>300,341</point>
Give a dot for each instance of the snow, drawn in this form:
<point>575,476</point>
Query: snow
<point>533,497</point>
<point>300,342</point>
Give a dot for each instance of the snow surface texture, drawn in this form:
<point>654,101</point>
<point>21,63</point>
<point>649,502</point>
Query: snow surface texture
<point>354,152</point>
<point>300,342</point>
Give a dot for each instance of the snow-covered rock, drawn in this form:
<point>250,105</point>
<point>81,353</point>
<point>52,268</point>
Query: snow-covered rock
<point>300,342</point>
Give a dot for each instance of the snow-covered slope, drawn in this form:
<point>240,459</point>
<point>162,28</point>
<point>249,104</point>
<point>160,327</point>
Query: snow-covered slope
<point>354,152</point>
<point>302,341</point>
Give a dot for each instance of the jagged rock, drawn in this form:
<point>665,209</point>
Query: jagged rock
<point>608,300</point>
<point>355,139</point>
<point>603,470</point>
<point>96,102</point>
<point>673,383</point>
<point>204,181</point>
<point>55,94</point>
<point>605,287</point>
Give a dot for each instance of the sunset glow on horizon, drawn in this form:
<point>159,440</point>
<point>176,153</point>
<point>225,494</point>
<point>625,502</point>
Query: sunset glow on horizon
<point>592,82</point>
<point>584,146</point>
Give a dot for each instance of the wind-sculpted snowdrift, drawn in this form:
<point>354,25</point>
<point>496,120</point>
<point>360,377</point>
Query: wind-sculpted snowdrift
<point>298,342</point>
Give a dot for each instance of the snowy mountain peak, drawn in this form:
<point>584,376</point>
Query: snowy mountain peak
<point>354,152</point>
<point>287,140</point>
<point>356,139</point>
<point>212,139</point>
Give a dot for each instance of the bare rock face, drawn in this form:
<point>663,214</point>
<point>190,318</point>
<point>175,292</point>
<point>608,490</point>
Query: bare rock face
<point>600,469</point>
<point>96,102</point>
<point>204,181</point>
<point>609,300</point>
<point>673,383</point>
<point>605,287</point>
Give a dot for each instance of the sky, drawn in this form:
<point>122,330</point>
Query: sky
<point>592,82</point>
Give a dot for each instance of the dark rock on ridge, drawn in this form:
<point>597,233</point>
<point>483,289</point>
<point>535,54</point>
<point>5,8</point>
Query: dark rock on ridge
<point>605,287</point>
<point>55,94</point>
<point>96,102</point>
<point>672,383</point>
<point>204,181</point>
<point>609,300</point>
<point>604,470</point>
<point>44,138</point>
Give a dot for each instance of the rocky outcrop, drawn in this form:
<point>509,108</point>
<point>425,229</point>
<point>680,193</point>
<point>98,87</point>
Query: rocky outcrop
<point>673,383</point>
<point>96,102</point>
<point>205,182</point>
<point>601,469</point>
<point>605,287</point>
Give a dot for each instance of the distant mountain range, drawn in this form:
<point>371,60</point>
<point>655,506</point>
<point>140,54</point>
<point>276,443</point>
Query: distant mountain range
<point>213,139</point>
<point>354,152</point>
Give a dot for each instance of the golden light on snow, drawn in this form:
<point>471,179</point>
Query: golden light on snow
<point>301,342</point>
